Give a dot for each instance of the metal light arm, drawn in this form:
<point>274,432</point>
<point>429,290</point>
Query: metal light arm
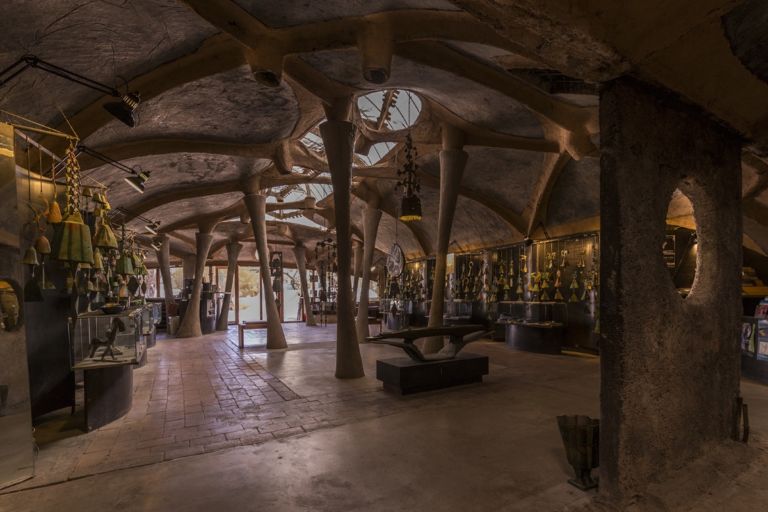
<point>31,61</point>
<point>104,158</point>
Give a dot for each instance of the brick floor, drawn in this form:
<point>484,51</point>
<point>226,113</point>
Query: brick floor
<point>203,394</point>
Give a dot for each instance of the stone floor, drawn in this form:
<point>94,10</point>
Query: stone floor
<point>214,427</point>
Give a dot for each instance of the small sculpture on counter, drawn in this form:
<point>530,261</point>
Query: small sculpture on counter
<point>116,326</point>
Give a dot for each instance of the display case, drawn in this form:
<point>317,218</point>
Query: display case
<point>100,340</point>
<point>151,315</point>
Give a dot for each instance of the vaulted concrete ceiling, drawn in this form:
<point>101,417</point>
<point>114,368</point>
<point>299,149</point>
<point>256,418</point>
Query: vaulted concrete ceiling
<point>518,77</point>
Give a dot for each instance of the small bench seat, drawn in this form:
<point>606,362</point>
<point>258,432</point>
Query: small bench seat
<point>242,326</point>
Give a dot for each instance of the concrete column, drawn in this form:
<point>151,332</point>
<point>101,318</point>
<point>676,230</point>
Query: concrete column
<point>190,324</point>
<point>338,137</point>
<point>453,160</point>
<point>357,256</point>
<point>164,263</point>
<point>371,218</point>
<point>669,366</point>
<point>256,204</point>
<point>300,253</point>
<point>233,251</point>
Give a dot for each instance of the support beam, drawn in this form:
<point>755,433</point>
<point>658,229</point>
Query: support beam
<point>371,218</point>
<point>453,160</point>
<point>300,253</point>
<point>338,137</point>
<point>669,367</point>
<point>256,204</point>
<point>190,324</point>
<point>233,252</point>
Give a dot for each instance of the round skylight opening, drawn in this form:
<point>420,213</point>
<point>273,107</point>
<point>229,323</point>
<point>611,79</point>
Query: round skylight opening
<point>390,109</point>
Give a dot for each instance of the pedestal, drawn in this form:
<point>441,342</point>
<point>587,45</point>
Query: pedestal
<point>405,376</point>
<point>108,394</point>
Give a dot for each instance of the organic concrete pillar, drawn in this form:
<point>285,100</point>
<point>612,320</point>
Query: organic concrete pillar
<point>164,263</point>
<point>233,251</point>
<point>357,255</point>
<point>256,204</point>
<point>190,324</point>
<point>338,137</point>
<point>371,218</point>
<point>453,160</point>
<point>669,366</point>
<point>300,253</point>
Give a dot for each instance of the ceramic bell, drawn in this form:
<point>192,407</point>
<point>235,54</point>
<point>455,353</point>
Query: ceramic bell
<point>53,215</point>
<point>30,257</point>
<point>72,241</point>
<point>42,245</point>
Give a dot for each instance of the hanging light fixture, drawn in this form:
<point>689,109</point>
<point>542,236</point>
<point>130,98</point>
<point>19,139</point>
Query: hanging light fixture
<point>137,180</point>
<point>410,203</point>
<point>123,110</point>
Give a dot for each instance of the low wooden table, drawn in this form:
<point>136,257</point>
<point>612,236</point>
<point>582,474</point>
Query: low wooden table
<point>242,326</point>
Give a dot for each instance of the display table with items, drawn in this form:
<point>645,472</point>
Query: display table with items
<point>542,337</point>
<point>106,347</point>
<point>426,372</point>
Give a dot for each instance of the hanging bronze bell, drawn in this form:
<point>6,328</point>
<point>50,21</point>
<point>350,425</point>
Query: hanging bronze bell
<point>98,259</point>
<point>53,216</point>
<point>124,265</point>
<point>105,237</point>
<point>136,260</point>
<point>30,257</point>
<point>72,240</point>
<point>42,245</point>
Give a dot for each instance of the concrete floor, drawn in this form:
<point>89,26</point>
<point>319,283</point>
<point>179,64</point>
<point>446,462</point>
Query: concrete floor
<point>493,446</point>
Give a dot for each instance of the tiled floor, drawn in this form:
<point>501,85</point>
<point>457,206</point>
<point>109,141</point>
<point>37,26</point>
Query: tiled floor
<point>275,431</point>
<point>202,395</point>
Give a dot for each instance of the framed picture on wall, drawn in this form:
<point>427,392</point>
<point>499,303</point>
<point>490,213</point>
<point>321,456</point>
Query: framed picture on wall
<point>748,336</point>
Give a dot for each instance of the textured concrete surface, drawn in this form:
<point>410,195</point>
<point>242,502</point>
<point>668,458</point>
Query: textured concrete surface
<point>670,366</point>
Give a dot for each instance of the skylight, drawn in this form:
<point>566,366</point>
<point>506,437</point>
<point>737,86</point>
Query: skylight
<point>401,109</point>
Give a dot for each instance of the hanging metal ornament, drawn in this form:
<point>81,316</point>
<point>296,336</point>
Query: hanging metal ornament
<point>124,265</point>
<point>408,182</point>
<point>72,239</point>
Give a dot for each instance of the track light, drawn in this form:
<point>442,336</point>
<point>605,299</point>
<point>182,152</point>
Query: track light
<point>137,177</point>
<point>123,110</point>
<point>152,227</point>
<point>137,180</point>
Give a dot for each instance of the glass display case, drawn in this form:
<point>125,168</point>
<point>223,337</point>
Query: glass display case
<point>99,340</point>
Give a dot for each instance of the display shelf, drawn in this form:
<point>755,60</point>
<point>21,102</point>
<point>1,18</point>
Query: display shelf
<point>99,340</point>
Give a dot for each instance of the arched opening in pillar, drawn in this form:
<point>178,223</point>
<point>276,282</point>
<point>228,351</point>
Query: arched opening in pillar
<point>680,247</point>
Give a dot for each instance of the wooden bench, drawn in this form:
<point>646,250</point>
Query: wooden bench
<point>242,326</point>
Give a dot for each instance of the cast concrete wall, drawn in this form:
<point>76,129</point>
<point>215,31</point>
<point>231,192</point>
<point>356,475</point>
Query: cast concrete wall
<point>670,366</point>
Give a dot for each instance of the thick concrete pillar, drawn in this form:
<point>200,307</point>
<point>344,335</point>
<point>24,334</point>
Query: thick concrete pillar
<point>338,137</point>
<point>300,253</point>
<point>257,204</point>
<point>453,160</point>
<point>669,366</point>
<point>190,324</point>
<point>164,264</point>
<point>371,218</point>
<point>357,257</point>
<point>233,252</point>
